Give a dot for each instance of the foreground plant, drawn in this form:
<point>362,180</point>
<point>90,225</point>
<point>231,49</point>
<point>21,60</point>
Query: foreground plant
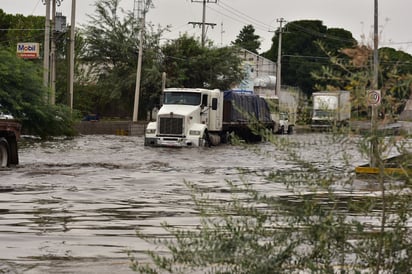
<point>324,225</point>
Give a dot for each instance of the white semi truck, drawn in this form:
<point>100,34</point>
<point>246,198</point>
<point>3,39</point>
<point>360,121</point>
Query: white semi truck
<point>331,109</point>
<point>204,117</point>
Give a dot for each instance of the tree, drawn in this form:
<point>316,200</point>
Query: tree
<point>188,64</point>
<point>112,52</point>
<point>396,71</point>
<point>301,53</point>
<point>247,39</point>
<point>22,94</point>
<point>353,73</point>
<point>19,28</point>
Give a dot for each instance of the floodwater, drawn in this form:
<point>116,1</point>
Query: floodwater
<point>73,206</point>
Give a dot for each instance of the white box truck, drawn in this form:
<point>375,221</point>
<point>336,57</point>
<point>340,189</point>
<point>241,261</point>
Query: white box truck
<point>331,109</point>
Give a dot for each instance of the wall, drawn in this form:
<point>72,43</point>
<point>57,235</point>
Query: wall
<point>111,128</point>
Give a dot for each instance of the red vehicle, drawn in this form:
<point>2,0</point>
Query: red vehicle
<point>9,134</point>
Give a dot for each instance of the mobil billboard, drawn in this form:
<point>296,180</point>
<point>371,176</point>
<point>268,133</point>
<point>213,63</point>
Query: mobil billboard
<point>28,50</point>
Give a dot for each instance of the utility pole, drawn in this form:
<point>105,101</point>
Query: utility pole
<point>375,86</point>
<point>375,47</point>
<point>142,9</point>
<point>49,55</point>
<point>52,98</point>
<point>278,65</point>
<point>71,61</point>
<point>46,48</point>
<point>203,24</point>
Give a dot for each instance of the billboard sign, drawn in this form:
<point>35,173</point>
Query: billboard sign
<point>28,50</point>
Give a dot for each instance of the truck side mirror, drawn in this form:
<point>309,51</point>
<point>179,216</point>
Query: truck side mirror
<point>214,103</point>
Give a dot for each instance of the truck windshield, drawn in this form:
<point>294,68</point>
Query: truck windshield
<point>323,113</point>
<point>182,98</point>
<point>283,116</point>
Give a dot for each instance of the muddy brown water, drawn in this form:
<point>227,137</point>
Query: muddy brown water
<point>73,206</point>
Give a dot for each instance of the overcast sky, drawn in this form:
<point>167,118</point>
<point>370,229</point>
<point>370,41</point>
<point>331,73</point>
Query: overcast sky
<point>230,16</point>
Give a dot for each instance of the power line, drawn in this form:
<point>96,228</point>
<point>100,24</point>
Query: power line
<point>239,20</point>
<point>21,29</point>
<point>242,15</point>
<point>396,43</point>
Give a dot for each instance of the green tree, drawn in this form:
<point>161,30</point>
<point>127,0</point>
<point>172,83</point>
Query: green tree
<point>5,23</point>
<point>247,39</point>
<point>18,28</point>
<point>396,71</point>
<point>353,73</point>
<point>188,64</point>
<point>112,53</point>
<point>22,93</point>
<point>301,51</point>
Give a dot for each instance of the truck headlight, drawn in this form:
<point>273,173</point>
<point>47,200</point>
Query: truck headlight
<point>194,132</point>
<point>150,131</point>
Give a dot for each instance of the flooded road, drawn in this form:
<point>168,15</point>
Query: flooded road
<point>73,206</point>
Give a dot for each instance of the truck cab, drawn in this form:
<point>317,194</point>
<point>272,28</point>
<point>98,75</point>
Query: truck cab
<point>188,117</point>
<point>284,123</point>
<point>284,126</point>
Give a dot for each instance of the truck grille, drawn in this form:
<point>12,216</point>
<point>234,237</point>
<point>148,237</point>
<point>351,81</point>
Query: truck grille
<point>171,126</point>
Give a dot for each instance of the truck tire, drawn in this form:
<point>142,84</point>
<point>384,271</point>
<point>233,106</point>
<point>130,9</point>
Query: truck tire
<point>290,129</point>
<point>206,139</point>
<point>4,153</point>
<point>13,151</point>
<point>214,139</point>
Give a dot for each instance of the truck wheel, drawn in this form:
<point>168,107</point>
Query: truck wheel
<point>4,153</point>
<point>290,130</point>
<point>214,139</point>
<point>206,139</point>
<point>224,137</point>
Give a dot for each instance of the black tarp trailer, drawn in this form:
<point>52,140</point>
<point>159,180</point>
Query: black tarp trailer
<point>245,114</point>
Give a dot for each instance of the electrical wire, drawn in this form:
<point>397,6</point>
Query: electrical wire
<point>35,7</point>
<point>247,18</point>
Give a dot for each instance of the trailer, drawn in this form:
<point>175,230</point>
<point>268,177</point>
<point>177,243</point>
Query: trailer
<point>204,117</point>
